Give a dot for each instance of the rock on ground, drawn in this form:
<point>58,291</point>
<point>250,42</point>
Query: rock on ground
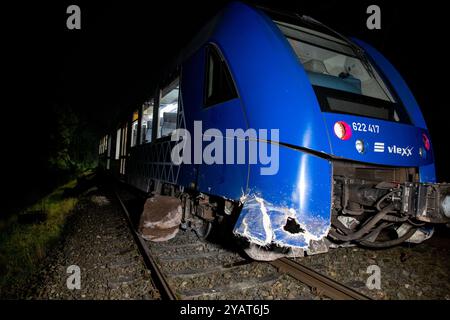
<point>161,218</point>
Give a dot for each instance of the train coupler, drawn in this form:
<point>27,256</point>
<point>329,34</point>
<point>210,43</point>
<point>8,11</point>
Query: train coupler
<point>427,202</point>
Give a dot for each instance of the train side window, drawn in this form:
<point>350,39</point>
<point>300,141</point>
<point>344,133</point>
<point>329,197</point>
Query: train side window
<point>118,139</point>
<point>103,145</point>
<point>219,86</point>
<point>123,149</point>
<point>100,147</point>
<point>108,155</point>
<point>168,109</point>
<point>147,122</point>
<point>134,128</point>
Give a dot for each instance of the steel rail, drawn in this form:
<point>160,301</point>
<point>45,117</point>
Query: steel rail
<point>159,278</point>
<point>321,284</point>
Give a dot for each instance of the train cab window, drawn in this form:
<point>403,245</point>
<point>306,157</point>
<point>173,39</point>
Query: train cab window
<point>168,108</point>
<point>219,86</point>
<point>343,78</point>
<point>147,122</point>
<point>134,128</point>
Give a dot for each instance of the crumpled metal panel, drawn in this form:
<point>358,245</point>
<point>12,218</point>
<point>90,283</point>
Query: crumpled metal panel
<point>300,191</point>
<point>264,223</point>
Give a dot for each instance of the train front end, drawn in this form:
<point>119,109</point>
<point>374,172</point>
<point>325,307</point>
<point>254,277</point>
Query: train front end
<point>361,170</point>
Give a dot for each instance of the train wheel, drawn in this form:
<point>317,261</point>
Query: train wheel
<point>202,228</point>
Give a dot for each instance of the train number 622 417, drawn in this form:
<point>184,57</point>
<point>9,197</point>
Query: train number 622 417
<point>358,126</point>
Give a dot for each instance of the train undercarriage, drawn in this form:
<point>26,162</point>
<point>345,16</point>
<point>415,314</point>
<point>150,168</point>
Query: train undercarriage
<point>372,206</point>
<point>380,207</point>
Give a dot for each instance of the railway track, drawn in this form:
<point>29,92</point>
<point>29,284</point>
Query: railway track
<point>188,268</point>
<point>320,284</point>
<point>158,277</point>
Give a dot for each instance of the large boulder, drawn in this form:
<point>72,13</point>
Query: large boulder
<point>161,218</point>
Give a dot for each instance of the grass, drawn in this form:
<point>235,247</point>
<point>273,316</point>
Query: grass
<point>22,246</point>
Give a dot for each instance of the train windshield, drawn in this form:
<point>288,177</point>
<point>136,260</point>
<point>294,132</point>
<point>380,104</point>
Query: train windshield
<point>344,81</point>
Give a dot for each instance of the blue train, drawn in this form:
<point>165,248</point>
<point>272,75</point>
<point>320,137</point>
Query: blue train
<point>351,161</point>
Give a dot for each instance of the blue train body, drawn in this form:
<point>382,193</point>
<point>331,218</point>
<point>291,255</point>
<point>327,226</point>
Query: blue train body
<point>275,91</point>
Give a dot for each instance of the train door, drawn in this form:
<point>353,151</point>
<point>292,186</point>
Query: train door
<point>222,116</point>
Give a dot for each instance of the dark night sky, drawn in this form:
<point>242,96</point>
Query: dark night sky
<point>108,66</point>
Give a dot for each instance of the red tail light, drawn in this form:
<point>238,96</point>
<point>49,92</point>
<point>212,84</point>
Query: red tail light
<point>342,130</point>
<point>426,142</point>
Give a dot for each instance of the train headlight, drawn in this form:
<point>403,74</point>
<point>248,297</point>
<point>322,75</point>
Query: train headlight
<point>426,142</point>
<point>359,145</point>
<point>342,130</point>
<point>446,206</point>
<point>422,153</point>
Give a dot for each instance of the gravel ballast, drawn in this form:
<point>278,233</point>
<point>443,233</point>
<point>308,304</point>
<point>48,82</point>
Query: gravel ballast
<point>100,243</point>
